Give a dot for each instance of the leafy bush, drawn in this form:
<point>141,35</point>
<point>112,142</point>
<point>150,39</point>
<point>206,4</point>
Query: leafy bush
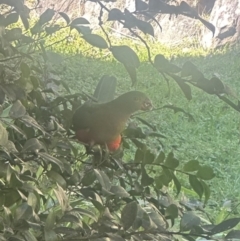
<point>49,189</point>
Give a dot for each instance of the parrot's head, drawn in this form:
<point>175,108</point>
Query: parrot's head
<point>134,100</point>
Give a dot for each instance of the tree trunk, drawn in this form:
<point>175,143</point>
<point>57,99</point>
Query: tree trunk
<point>225,16</point>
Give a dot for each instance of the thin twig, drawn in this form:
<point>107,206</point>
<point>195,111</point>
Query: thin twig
<point>10,58</point>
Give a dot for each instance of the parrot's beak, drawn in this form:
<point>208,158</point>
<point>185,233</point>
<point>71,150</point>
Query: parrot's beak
<point>147,105</point>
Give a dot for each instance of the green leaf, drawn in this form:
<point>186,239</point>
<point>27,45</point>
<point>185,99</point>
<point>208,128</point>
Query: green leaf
<point>11,18</point>
<point>28,120</point>
<point>188,221</point>
<point>160,62</point>
<point>3,136</point>
<point>119,191</point>
<point>88,178</point>
<point>172,68</point>
<point>15,181</point>
<point>171,161</point>
<point>65,17</point>
<point>36,29</point>
<point>29,236</point>
<point>34,201</point>
<point>146,180</point>
<point>2,98</point>
<point>184,87</point>
<point>35,82</point>
<point>225,225</point>
<point>11,197</point>
<point>206,86</point>
<point>25,70</point>
<point>21,224</point>
<point>115,14</point>
<point>196,185</point>
<point>7,213</point>
<point>98,205</point>
<point>46,16</point>
<point>68,217</point>
<point>5,115</point>
<point>207,191</point>
<point>163,64</point>
<point>54,58</point>
<point>31,188</point>
<point>126,56</point>
<point>166,177</point>
<point>84,212</point>
<point>64,230</point>
<point>10,146</point>
<point>205,173</point>
<point>145,27</point>
<point>79,21</point>
<point>103,179</point>
<point>50,235</point>
<point>84,30</point>
<point>129,214</point>
<point>13,34</point>
<point>52,29</point>
<point>146,221</point>
<point>218,85</point>
<point>148,157</point>
<point>57,178</point>
<point>147,123</point>
<point>24,15</point>
<point>95,40</point>
<point>171,211</point>
<point>62,198</point>
<point>139,155</point>
<point>2,19</point>
<point>113,237</point>
<point>160,158</point>
<point>17,110</point>
<point>130,21</point>
<point>191,166</point>
<point>139,144</point>
<point>16,128</point>
<point>14,92</point>
<point>189,69</point>
<point>132,73</point>
<point>157,218</point>
<point>52,159</point>
<point>234,234</point>
<point>176,183</point>
<point>23,211</point>
<point>158,182</point>
<point>32,145</point>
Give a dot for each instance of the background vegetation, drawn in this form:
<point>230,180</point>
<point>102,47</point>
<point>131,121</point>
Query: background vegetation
<point>50,190</point>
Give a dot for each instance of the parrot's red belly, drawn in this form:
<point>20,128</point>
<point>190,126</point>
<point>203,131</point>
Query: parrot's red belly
<point>86,137</point>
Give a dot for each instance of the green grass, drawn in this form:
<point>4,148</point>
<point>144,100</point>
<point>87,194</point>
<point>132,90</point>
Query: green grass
<point>213,138</point>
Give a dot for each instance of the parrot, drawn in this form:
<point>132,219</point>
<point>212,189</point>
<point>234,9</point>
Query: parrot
<point>102,123</point>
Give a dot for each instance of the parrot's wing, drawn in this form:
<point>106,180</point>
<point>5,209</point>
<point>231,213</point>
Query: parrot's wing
<point>83,115</point>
